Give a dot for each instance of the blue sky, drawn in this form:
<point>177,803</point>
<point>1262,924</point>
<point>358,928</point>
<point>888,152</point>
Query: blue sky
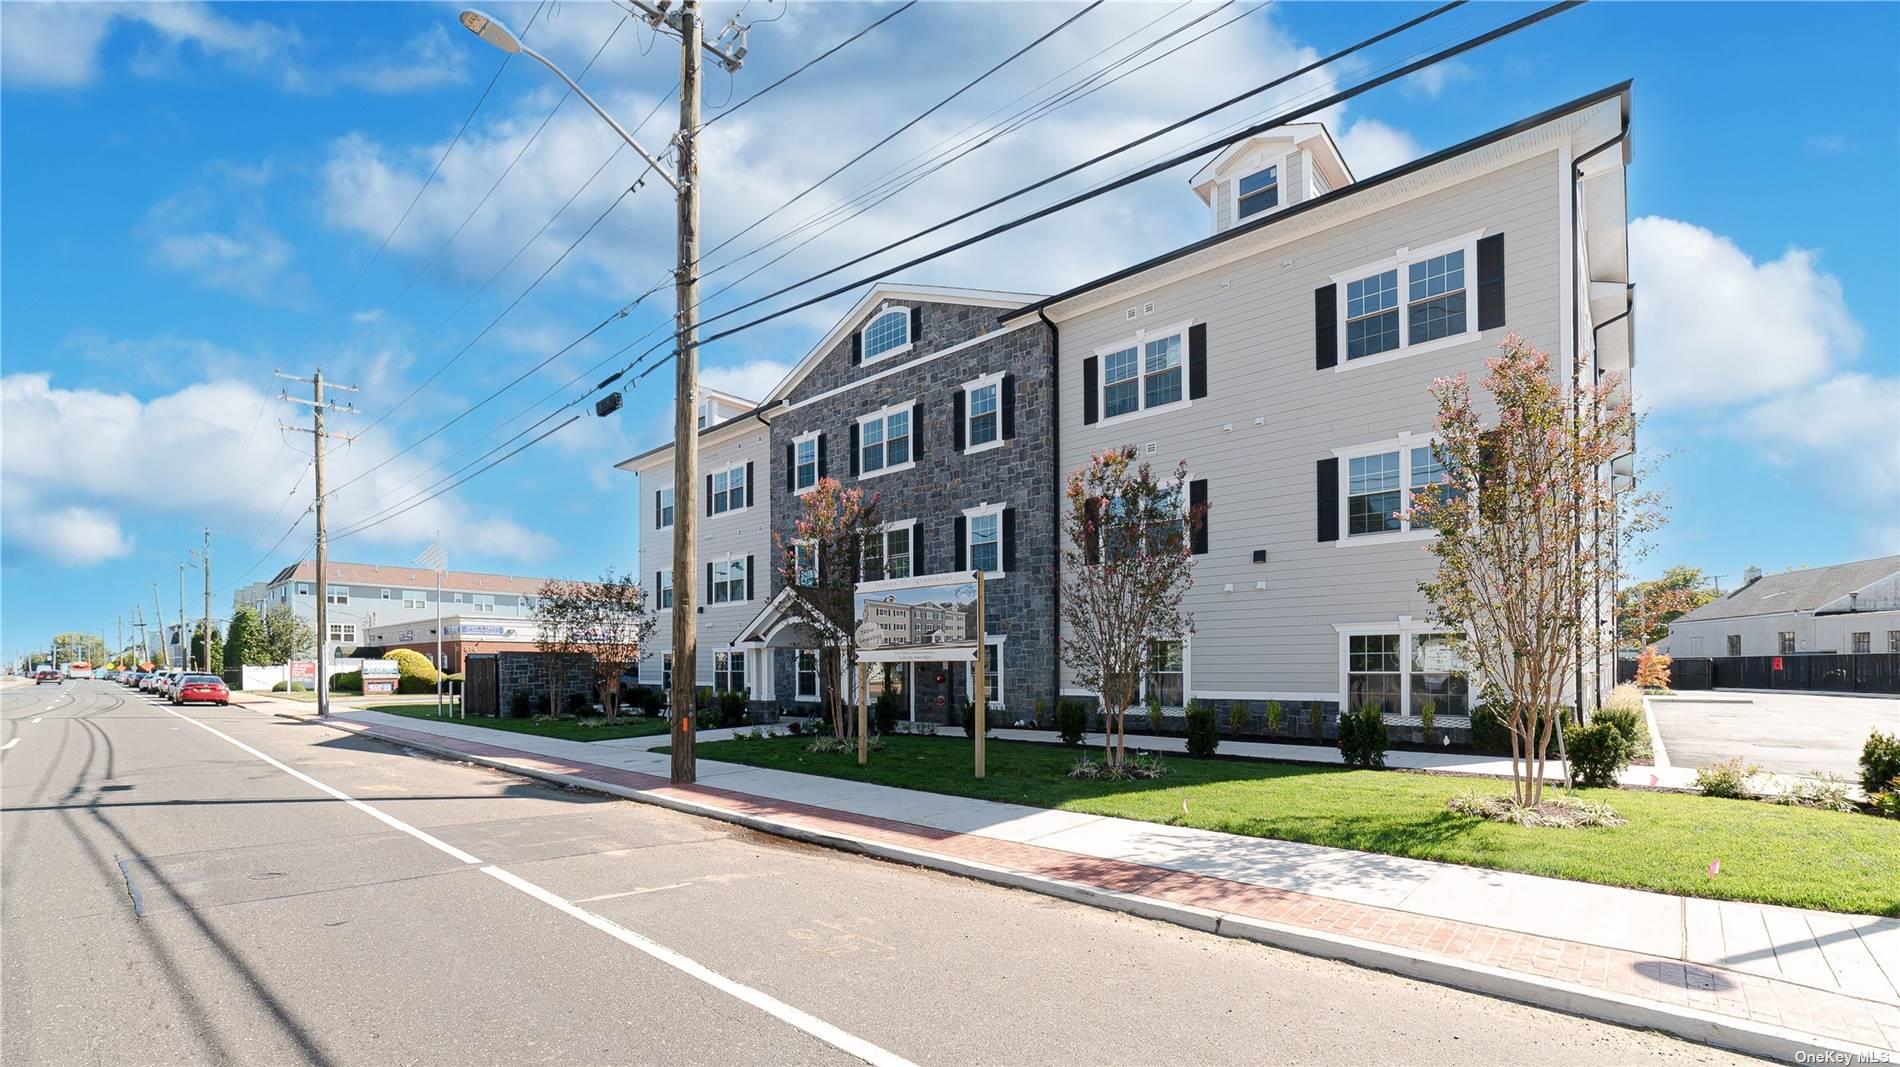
<point>196,195</point>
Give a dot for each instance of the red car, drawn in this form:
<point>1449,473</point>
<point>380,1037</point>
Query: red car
<point>201,689</point>
<point>47,674</point>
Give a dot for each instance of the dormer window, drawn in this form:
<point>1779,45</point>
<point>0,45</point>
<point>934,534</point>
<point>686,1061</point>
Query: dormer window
<point>887,333</point>
<point>1259,191</point>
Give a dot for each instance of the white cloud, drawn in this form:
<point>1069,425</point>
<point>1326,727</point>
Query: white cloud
<point>1371,147</point>
<point>426,61</point>
<point>215,437</point>
<point>753,379</point>
<point>1848,418</point>
<point>57,45</point>
<point>1714,327</point>
<point>216,233</point>
<point>1429,82</point>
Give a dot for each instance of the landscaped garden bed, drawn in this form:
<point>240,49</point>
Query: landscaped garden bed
<point>1800,857</point>
<point>567,728</point>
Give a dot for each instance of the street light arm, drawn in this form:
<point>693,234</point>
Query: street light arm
<point>602,112</point>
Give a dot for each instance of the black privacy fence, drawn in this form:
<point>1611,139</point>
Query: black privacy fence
<point>1863,672</point>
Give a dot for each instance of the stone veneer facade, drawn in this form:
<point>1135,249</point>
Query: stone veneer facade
<point>1020,472</point>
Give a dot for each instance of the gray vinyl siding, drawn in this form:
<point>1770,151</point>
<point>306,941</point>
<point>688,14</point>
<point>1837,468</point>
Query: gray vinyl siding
<point>1261,491</point>
<point>742,533</point>
<point>1223,204</point>
<point>1293,180</point>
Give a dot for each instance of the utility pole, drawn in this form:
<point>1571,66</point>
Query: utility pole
<point>158,612</point>
<point>318,406</point>
<point>184,639</point>
<point>205,561</point>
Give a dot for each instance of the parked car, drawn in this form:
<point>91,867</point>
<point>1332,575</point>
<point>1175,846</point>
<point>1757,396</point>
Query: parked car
<point>147,683</point>
<point>159,681</point>
<point>47,674</point>
<point>200,689</point>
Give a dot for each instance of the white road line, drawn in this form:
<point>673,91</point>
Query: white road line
<point>631,893</point>
<point>337,793</point>
<point>765,1002</point>
<point>9,744</point>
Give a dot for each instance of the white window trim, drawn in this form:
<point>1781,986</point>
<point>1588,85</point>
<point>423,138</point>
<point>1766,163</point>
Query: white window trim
<point>864,340</point>
<point>663,596</point>
<point>1279,183</point>
<point>1403,445</point>
<point>970,387</point>
<point>882,415</point>
<point>715,472</point>
<point>992,645</point>
<point>662,492</point>
<point>812,437</point>
<point>817,675</point>
<point>902,524</point>
<point>812,544</point>
<point>1399,261</point>
<point>726,560</point>
<point>1137,341</point>
<point>1408,630</point>
<point>970,515</point>
<point>1187,676</point>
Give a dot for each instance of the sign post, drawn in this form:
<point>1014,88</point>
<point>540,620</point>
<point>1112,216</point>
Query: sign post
<point>932,618</point>
<point>864,741</point>
<point>981,709</point>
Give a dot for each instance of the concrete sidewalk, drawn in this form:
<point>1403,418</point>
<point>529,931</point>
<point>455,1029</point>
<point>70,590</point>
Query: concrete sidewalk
<point>1768,980</point>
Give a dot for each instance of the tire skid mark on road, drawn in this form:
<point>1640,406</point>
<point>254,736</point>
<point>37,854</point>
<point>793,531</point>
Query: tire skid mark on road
<point>809,1024</point>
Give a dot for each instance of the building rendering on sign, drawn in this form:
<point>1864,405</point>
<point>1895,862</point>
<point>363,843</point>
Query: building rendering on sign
<point>1846,608</point>
<point>1285,359</point>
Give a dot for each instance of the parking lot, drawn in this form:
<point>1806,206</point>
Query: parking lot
<point>1789,733</point>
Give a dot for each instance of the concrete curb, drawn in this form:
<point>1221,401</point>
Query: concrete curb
<point>1659,756</point>
<point>1757,1039</point>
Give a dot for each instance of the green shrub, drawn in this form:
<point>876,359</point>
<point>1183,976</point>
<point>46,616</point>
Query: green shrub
<point>1628,722</point>
<point>1072,721</point>
<point>518,704</point>
<point>1626,697</point>
<point>347,682</point>
<point>1490,729</point>
<point>1886,803</point>
<point>1363,737</point>
<point>885,710</point>
<point>542,703</point>
<point>1203,729</point>
<point>732,706</point>
<point>280,687</point>
<point>415,672</point>
<point>1728,778</point>
<point>1155,718</point>
<point>1428,719</point>
<point>1597,751</point>
<point>1237,718</point>
<point>969,719</point>
<point>1880,763</point>
<point>1273,718</point>
<point>576,703</point>
<point>1318,721</point>
<point>458,677</point>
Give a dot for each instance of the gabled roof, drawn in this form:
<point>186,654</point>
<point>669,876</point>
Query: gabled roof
<point>638,459</point>
<point>305,570</point>
<point>1299,134</point>
<point>938,294</point>
<point>1805,590</point>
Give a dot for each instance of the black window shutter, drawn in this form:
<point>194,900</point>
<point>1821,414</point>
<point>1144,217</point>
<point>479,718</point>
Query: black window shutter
<point>857,348</point>
<point>751,578</point>
<point>657,575</point>
<point>1091,389</point>
<point>1197,500</point>
<point>1092,519</point>
<point>1328,496</point>
<point>748,483</point>
<point>791,467</point>
<point>1008,389</point>
<point>705,596</point>
<point>1491,281</point>
<point>709,494</point>
<point>916,325</point>
<point>1197,361</point>
<point>821,455</point>
<point>917,429</point>
<point>656,511</point>
<point>917,564</point>
<point>1009,539</point>
<point>1325,327</point>
<point>854,450</point>
<point>963,548</point>
<point>956,419</point>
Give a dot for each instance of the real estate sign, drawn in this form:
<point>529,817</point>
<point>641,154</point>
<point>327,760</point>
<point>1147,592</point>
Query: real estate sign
<point>381,675</point>
<point>928,619</point>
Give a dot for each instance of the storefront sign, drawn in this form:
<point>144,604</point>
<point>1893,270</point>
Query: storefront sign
<point>381,675</point>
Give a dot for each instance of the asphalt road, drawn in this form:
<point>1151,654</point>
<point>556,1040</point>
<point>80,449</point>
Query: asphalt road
<point>1788,733</point>
<point>276,892</point>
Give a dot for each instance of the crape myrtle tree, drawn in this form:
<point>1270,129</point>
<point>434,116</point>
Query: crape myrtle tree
<point>615,623</point>
<point>836,543</point>
<point>1518,574</point>
<point>1127,564</point>
<point>560,612</point>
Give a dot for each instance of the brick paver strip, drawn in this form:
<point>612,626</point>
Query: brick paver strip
<point>1714,989</point>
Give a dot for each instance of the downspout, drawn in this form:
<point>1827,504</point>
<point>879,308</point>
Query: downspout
<point>1055,492</point>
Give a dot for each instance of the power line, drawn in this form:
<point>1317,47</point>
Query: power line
<point>809,63</point>
<point>497,463</point>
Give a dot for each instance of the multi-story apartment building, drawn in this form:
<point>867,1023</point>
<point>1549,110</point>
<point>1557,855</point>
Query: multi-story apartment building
<point>735,544</point>
<point>1287,360</point>
<point>365,595</point>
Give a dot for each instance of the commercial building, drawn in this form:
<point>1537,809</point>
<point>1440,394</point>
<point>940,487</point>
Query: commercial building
<point>364,596</point>
<point>1847,608</point>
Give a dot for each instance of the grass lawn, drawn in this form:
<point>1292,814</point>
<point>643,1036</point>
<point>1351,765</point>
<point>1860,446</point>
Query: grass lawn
<point>565,729</point>
<point>1800,857</point>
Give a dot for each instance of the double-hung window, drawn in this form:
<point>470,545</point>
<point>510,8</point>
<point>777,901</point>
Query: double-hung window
<point>728,584</point>
<point>484,603</point>
<point>986,539</point>
<point>666,507</point>
<point>884,440</point>
<point>1410,298</point>
<point>389,594</point>
<point>1166,679</point>
<point>805,562</point>
<point>415,599</point>
<point>805,462</point>
<point>728,490</point>
<point>1381,483</point>
<point>1438,676</point>
<point>1734,644</point>
<point>1893,641</point>
<point>729,672</point>
<point>1863,641</point>
<point>666,671</point>
<point>805,671</point>
<point>1144,373</point>
<point>983,412</point>
<point>663,596</point>
<point>992,675</point>
<point>887,333</point>
<point>892,549</point>
<point>1372,671</point>
<point>343,631</point>
<point>1784,642</point>
<point>339,594</point>
<point>1259,191</point>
